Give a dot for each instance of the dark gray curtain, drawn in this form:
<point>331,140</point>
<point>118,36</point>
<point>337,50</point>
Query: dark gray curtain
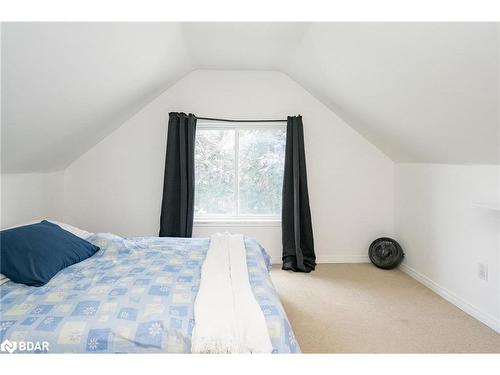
<point>298,242</point>
<point>178,186</point>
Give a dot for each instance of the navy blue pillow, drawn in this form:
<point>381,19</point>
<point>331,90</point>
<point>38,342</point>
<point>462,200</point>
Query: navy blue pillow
<point>33,254</point>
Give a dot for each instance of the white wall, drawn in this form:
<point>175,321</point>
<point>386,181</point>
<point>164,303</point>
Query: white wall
<point>33,196</point>
<point>117,185</point>
<point>445,234</point>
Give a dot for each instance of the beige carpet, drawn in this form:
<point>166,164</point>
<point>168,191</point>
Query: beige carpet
<point>357,308</point>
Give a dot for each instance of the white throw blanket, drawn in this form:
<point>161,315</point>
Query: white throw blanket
<point>228,319</point>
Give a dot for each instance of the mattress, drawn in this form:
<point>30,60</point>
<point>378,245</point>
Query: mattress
<point>135,295</point>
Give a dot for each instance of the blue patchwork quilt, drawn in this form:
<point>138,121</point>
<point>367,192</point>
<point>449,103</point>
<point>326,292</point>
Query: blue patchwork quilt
<point>135,295</point>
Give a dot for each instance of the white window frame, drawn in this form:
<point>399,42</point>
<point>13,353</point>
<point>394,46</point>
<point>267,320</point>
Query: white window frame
<point>235,220</point>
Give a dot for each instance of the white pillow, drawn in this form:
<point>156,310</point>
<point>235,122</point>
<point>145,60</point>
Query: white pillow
<point>76,231</point>
<point>3,279</point>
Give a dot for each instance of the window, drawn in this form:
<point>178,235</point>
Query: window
<point>239,170</point>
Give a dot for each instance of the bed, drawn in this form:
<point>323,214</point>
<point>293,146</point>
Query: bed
<point>135,295</point>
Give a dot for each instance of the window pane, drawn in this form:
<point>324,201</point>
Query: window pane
<point>261,163</point>
<point>214,172</point>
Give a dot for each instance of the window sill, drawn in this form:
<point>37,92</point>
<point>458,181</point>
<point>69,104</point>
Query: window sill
<point>237,222</point>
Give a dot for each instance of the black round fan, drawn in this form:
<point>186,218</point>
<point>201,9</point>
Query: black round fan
<point>386,253</point>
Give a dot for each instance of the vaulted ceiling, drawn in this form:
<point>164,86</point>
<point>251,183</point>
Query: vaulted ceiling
<point>421,92</point>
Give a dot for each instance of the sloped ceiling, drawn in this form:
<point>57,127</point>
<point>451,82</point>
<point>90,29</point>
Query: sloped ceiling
<point>65,86</point>
<point>420,92</point>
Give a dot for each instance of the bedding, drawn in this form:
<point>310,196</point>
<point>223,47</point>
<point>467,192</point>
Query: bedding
<point>135,295</point>
<point>33,254</point>
<point>228,319</point>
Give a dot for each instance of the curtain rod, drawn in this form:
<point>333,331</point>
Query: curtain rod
<point>229,120</point>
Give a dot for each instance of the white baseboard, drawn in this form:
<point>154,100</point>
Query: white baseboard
<point>333,259</point>
<point>463,305</point>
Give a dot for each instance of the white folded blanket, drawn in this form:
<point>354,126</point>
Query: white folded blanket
<point>227,317</point>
